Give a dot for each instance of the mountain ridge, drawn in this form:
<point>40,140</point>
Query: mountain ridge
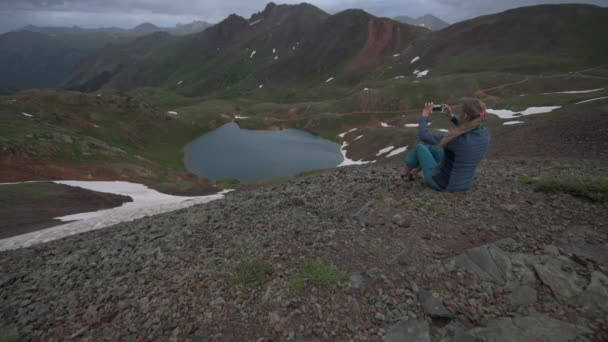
<point>429,21</point>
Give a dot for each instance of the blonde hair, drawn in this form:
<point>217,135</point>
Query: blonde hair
<point>474,109</point>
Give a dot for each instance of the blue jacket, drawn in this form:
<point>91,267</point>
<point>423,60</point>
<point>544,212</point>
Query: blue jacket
<point>456,171</point>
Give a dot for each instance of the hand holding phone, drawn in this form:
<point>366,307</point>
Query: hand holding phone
<point>438,108</point>
<point>428,108</point>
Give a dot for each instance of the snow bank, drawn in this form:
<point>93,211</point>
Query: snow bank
<point>359,137</point>
<point>399,77</point>
<point>180,82</point>
<point>146,202</point>
<point>576,91</point>
<point>261,86</point>
<point>510,123</point>
<point>253,54</point>
<point>274,51</point>
<point>385,151</point>
<point>384,124</point>
<point>442,130</point>
<point>596,99</point>
<point>414,60</point>
<point>508,114</point>
<point>365,89</point>
<point>329,80</point>
<point>238,117</point>
<point>346,161</point>
<point>397,151</point>
<point>341,135</point>
<point>396,55</point>
<point>172,112</point>
<point>26,114</point>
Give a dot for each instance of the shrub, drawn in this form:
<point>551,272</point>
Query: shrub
<point>251,273</point>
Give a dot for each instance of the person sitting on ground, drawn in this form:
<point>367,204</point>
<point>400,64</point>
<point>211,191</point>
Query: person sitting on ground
<point>449,161</point>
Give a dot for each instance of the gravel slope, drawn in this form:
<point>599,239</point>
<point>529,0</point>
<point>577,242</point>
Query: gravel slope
<point>171,277</point>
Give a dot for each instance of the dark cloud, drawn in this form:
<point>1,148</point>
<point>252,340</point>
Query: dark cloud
<point>128,13</point>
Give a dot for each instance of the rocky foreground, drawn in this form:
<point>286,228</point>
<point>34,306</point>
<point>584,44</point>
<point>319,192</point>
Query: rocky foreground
<point>347,254</point>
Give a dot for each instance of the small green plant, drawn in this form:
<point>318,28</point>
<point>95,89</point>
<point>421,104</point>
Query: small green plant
<point>7,336</point>
<point>376,247</point>
<point>527,180</point>
<point>594,190</point>
<point>322,273</point>
<point>229,184</point>
<point>251,273</point>
<point>385,197</point>
<point>244,245</point>
<point>296,286</point>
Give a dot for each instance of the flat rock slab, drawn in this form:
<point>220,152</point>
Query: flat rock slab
<point>528,329</point>
<point>433,306</point>
<point>595,296</point>
<point>409,331</point>
<point>522,295</point>
<point>487,262</point>
<point>558,273</point>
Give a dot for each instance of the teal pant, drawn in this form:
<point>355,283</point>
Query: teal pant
<point>429,158</point>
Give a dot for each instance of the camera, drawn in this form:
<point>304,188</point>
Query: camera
<point>438,108</point>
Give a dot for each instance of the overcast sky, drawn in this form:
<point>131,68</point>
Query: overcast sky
<point>129,13</point>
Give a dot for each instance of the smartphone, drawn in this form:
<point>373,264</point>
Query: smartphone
<point>438,108</point>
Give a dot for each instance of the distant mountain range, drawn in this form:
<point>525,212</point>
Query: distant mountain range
<point>429,21</point>
<point>39,57</point>
<point>142,29</point>
<point>299,45</point>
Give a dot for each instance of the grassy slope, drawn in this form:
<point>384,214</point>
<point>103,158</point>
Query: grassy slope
<point>63,130</point>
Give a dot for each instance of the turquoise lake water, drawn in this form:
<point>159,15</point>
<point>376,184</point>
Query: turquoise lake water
<point>233,153</point>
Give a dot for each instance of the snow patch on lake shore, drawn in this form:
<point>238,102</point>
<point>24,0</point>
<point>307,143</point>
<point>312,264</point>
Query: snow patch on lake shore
<point>341,135</point>
<point>348,162</point>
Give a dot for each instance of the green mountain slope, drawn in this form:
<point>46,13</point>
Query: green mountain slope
<point>528,39</point>
<point>30,59</point>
